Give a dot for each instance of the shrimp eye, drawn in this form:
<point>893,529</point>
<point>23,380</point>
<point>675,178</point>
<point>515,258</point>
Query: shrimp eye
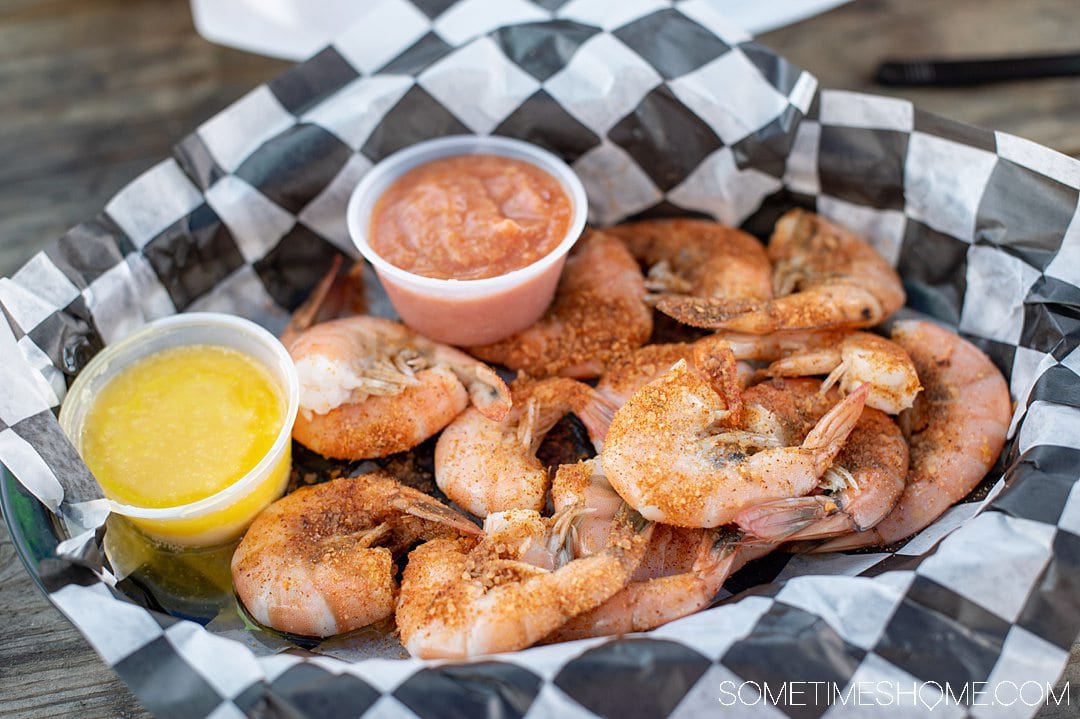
<point>866,313</point>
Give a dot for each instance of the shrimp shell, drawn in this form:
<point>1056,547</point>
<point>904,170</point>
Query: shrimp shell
<point>824,277</point>
<point>461,598</point>
<point>370,387</point>
<point>598,314</point>
<point>489,466</point>
<point>668,455</point>
<point>957,430</point>
<point>698,258</point>
<point>320,561</point>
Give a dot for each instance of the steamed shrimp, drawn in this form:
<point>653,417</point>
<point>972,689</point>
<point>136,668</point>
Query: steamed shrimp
<point>698,258</point>
<point>598,314</point>
<point>955,430</point>
<point>672,550</point>
<point>848,358</point>
<point>488,466</point>
<point>463,597</point>
<point>823,277</point>
<point>631,372</point>
<point>648,602</point>
<point>672,453</point>
<point>856,492</point>
<point>681,572</point>
<point>320,561</point>
<point>370,387</point>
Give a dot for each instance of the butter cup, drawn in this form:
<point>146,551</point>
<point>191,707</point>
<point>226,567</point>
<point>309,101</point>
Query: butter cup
<point>467,312</point>
<point>224,515</point>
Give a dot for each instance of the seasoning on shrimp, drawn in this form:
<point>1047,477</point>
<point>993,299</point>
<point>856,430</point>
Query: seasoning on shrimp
<point>598,314</point>
<point>848,358</point>
<point>824,277</point>
<point>673,455</point>
<point>680,573</point>
<point>631,372</point>
<point>320,561</point>
<point>698,258</point>
<point>370,387</point>
<point>488,466</point>
<point>856,492</point>
<point>956,431</point>
<point>463,597</point>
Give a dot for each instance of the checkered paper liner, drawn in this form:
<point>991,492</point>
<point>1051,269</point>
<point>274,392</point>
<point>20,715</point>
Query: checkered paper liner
<point>661,108</point>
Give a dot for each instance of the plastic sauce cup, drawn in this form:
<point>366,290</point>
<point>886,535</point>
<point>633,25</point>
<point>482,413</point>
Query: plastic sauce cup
<point>467,312</point>
<point>224,515</point>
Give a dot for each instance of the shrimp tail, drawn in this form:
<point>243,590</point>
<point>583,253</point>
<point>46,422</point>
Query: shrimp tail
<point>307,313</point>
<point>489,394</point>
<point>596,414</point>
<point>714,358</point>
<point>827,437</point>
<point>705,312</point>
<point>433,511</point>
<point>852,540</point>
<point>777,520</point>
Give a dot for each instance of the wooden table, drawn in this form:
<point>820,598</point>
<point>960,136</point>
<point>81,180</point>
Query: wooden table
<point>95,92</point>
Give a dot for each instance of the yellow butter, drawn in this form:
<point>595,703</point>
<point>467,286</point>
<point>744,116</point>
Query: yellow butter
<point>181,425</point>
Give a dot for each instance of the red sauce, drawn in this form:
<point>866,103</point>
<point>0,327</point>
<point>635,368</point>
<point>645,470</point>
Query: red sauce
<point>470,217</point>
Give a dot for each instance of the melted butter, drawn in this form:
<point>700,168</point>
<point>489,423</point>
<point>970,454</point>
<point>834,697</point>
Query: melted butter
<point>181,425</point>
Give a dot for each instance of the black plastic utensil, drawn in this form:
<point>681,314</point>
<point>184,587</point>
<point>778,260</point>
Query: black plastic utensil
<point>943,73</point>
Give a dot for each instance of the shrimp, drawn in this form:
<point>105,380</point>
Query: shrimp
<point>320,561</point>
<point>857,491</point>
<point>489,466</point>
<point>823,277</point>
<point>598,314</point>
<point>649,602</point>
<point>371,387</point>
<point>583,484</point>
<point>680,573</point>
<point>669,455</point>
<point>848,358</point>
<point>631,372</point>
<point>463,597</point>
<point>698,258</point>
<point>956,431</point>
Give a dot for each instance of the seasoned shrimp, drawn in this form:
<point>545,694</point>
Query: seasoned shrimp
<point>668,454</point>
<point>680,573</point>
<point>671,550</point>
<point>584,484</point>
<point>824,277</point>
<point>631,372</point>
<point>488,466</point>
<point>463,597</point>
<point>955,430</point>
<point>698,258</point>
<point>857,491</point>
<point>848,358</point>
<point>598,314</point>
<point>320,561</point>
<point>649,602</point>
<point>370,387</point>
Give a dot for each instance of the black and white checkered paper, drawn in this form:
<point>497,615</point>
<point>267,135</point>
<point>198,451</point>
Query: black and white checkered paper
<point>661,108</point>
